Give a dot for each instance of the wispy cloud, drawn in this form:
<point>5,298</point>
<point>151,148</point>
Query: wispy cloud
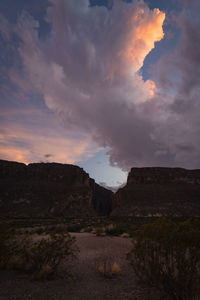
<point>41,136</point>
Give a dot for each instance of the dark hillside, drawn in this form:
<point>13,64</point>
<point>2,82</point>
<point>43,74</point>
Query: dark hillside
<point>50,189</point>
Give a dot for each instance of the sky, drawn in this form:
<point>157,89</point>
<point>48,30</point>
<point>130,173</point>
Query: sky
<point>103,84</point>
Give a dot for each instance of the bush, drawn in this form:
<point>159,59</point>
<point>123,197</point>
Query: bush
<point>43,257</point>
<point>100,231</point>
<point>166,255</point>
<point>116,230</point>
<point>74,227</point>
<point>3,238</point>
<point>39,255</point>
<point>6,235</point>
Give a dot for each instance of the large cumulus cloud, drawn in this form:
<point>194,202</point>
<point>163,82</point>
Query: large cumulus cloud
<point>88,71</point>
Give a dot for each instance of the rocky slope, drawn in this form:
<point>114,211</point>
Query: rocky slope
<point>46,189</point>
<point>159,191</point>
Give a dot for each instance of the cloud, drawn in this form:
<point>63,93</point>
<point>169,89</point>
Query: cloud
<point>147,29</point>
<point>190,2</point>
<point>88,71</point>
<point>4,27</point>
<point>41,134</point>
<point>113,188</point>
<point>178,76</point>
<point>48,155</point>
<point>65,150</point>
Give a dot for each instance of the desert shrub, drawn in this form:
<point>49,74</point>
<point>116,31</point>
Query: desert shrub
<point>61,229</point>
<point>43,256</point>
<point>39,230</point>
<point>57,229</point>
<point>100,231</point>
<point>74,227</point>
<point>6,235</point>
<point>166,255</point>
<point>86,229</point>
<point>116,230</point>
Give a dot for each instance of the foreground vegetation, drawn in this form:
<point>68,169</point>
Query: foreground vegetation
<point>166,255</point>
<point>112,226</point>
<point>40,256</point>
<point>165,252</point>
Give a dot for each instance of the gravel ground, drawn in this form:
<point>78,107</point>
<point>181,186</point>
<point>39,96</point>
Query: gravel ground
<point>80,279</point>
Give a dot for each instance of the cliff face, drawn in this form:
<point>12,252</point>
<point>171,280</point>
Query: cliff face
<point>159,191</point>
<point>50,189</point>
<point>163,176</point>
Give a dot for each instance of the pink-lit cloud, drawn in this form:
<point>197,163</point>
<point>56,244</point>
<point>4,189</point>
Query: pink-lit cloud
<point>41,139</point>
<point>85,73</point>
<point>88,71</point>
<point>146,30</point>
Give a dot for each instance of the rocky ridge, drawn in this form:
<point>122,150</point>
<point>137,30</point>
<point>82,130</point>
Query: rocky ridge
<point>158,192</point>
<point>52,189</point>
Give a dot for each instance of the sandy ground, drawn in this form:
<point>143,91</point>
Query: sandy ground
<point>80,279</point>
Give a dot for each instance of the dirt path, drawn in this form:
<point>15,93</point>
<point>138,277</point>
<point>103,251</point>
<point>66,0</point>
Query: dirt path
<point>85,283</point>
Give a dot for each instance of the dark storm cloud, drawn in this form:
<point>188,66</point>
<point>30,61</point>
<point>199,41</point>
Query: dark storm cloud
<point>4,27</point>
<point>190,2</point>
<point>179,69</point>
<point>185,148</point>
<point>178,74</point>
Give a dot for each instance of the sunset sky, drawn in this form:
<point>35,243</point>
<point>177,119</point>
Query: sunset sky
<point>106,85</point>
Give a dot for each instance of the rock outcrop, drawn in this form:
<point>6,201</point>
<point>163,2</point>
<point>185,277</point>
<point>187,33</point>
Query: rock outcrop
<point>50,189</point>
<point>158,192</point>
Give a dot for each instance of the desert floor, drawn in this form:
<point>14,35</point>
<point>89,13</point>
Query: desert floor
<point>80,279</point>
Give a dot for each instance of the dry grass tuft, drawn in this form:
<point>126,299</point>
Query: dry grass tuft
<point>115,269</point>
<point>125,235</point>
<point>100,231</point>
<point>109,270</point>
<point>45,272</point>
